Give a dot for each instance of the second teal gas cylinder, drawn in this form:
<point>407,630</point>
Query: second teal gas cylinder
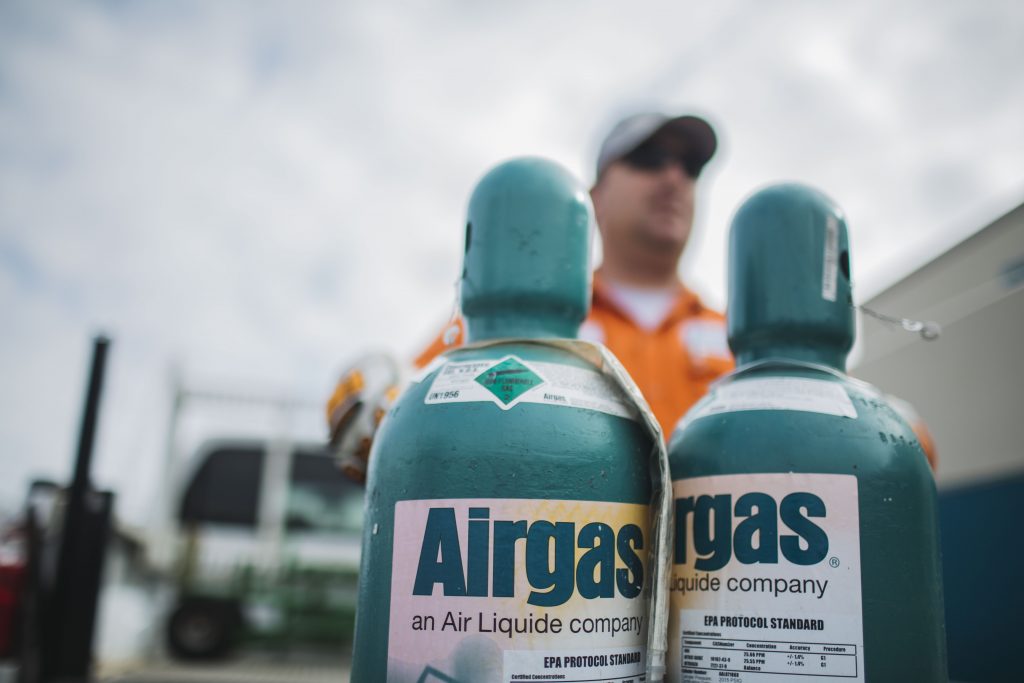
<point>806,544</point>
<point>508,490</point>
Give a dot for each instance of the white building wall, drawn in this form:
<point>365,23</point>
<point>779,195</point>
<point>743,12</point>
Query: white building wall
<point>969,384</point>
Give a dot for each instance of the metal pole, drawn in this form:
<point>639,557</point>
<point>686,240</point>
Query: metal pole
<point>87,433</point>
<point>71,615</point>
<point>161,552</point>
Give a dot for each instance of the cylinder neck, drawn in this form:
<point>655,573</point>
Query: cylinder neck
<point>798,352</point>
<point>516,325</point>
<point>526,271</point>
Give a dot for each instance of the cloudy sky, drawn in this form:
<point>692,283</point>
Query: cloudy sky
<point>256,192</point>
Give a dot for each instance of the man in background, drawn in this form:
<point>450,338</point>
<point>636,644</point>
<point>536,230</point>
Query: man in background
<point>671,344</point>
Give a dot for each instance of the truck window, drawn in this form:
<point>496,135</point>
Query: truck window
<point>225,488</point>
<point>321,498</point>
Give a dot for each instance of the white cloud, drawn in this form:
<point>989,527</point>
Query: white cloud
<point>264,191</point>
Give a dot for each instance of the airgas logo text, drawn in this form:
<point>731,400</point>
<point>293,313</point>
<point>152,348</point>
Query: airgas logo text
<point>707,532</point>
<point>549,552</point>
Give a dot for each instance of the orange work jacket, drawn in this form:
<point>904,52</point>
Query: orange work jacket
<point>672,364</point>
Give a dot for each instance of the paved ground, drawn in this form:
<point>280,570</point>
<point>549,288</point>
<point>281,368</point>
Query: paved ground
<point>248,668</point>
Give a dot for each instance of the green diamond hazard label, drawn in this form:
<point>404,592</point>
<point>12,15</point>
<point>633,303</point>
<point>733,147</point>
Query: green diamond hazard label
<point>508,380</point>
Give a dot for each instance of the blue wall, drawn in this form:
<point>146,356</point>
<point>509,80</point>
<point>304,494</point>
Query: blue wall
<point>983,567</point>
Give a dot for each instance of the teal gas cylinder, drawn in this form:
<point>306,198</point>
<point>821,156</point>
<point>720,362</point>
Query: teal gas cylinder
<point>805,521</point>
<point>508,491</point>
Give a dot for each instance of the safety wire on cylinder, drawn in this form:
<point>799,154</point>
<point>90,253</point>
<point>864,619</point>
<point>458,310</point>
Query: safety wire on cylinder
<point>928,329</point>
<point>661,491</point>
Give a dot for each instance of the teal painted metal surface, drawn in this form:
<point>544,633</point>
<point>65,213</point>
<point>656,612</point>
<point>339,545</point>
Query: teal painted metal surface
<point>527,264</point>
<point>526,275</point>
<point>774,427</point>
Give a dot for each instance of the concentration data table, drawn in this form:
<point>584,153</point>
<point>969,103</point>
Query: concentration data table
<point>769,657</point>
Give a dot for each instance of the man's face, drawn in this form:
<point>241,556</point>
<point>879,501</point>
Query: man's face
<point>645,201</point>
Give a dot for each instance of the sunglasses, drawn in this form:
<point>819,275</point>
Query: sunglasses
<point>653,157</point>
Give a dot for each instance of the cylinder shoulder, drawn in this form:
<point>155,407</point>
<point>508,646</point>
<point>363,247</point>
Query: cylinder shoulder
<point>792,421</point>
<point>482,447</point>
<point>527,350</point>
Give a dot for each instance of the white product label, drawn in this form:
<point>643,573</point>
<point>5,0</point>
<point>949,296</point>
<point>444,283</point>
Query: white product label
<point>511,381</point>
<point>766,579</point>
<point>775,393</point>
<point>830,260</point>
<point>503,590</point>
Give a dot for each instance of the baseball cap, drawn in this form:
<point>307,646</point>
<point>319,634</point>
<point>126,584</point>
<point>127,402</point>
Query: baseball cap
<point>632,131</point>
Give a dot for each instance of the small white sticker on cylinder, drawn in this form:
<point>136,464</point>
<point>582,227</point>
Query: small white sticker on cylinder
<point>829,268</point>
<point>830,262</point>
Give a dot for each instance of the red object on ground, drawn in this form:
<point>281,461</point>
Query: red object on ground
<point>12,583</point>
